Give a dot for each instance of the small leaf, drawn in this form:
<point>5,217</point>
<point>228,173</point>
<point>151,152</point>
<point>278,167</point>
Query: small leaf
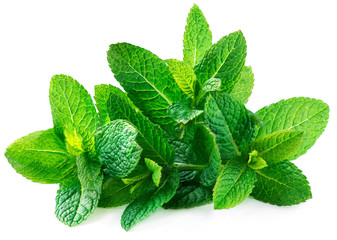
<point>211,85</point>
<point>243,88</point>
<point>155,169</point>
<point>102,93</point>
<point>255,161</point>
<point>117,148</point>
<point>182,113</point>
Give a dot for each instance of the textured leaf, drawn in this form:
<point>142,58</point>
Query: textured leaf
<point>150,136</point>
<point>244,86</point>
<point>208,154</point>
<point>184,76</point>
<point>210,85</point>
<point>223,60</point>
<point>197,37</point>
<point>234,184</point>
<point>231,122</point>
<point>182,113</point>
<point>190,196</point>
<point>74,113</point>
<point>281,184</point>
<point>102,93</point>
<point>278,146</point>
<point>76,200</point>
<point>299,114</point>
<point>150,202</point>
<point>117,148</point>
<point>155,169</point>
<point>147,80</point>
<point>42,157</point>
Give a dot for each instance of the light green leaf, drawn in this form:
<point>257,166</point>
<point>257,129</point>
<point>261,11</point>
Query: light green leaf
<point>190,196</point>
<point>234,184</point>
<point>150,136</point>
<point>74,114</point>
<point>182,113</point>
<point>300,114</point>
<point>281,184</point>
<point>42,157</point>
<point>76,200</point>
<point>231,122</point>
<point>147,80</point>
<point>197,37</point>
<point>278,146</point>
<point>184,76</point>
<point>101,97</point>
<point>155,169</point>
<point>117,148</point>
<point>223,60</point>
<point>244,86</point>
<point>151,201</point>
<point>255,161</point>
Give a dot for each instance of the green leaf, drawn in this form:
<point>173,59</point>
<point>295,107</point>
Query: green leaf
<point>224,60</point>
<point>255,161</point>
<point>234,184</point>
<point>117,148</point>
<point>76,200</point>
<point>147,80</point>
<point>282,184</point>
<point>210,85</point>
<point>190,196</point>
<point>183,75</point>
<point>300,114</point>
<point>197,37</point>
<point>151,201</point>
<point>278,146</point>
<point>244,86</point>
<point>74,114</point>
<point>155,169</point>
<point>42,157</point>
<point>101,97</point>
<point>231,122</point>
<point>182,113</point>
<point>150,136</point>
<point>208,154</point>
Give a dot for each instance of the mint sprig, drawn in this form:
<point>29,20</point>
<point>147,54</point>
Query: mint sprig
<point>179,136</point>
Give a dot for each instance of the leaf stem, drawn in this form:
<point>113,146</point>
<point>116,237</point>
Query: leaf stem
<point>189,167</point>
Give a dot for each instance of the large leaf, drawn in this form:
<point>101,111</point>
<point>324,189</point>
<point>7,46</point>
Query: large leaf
<point>281,184</point>
<point>244,86</point>
<point>231,122</point>
<point>234,184</point>
<point>147,80</point>
<point>300,114</point>
<point>74,113</point>
<point>223,60</point>
<point>151,201</point>
<point>150,136</point>
<point>76,200</point>
<point>42,157</point>
<point>117,148</point>
<point>197,37</point>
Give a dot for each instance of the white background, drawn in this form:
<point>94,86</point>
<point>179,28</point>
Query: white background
<point>291,48</point>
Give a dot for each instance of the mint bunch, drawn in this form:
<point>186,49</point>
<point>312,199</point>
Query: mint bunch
<point>180,135</point>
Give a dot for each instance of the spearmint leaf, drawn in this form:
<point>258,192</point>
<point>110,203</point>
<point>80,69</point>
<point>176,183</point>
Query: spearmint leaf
<point>102,93</point>
<point>117,149</point>
<point>282,184</point>
<point>231,122</point>
<point>234,184</point>
<point>76,200</point>
<point>255,161</point>
<point>197,37</point>
<point>182,113</point>
<point>300,114</point>
<point>211,85</point>
<point>155,169</point>
<point>183,75</point>
<point>147,80</point>
<point>208,154</point>
<point>150,136</point>
<point>42,157</point>
<point>244,86</point>
<point>151,201</point>
<point>224,60</point>
<point>278,146</point>
<point>190,196</point>
<point>74,113</point>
